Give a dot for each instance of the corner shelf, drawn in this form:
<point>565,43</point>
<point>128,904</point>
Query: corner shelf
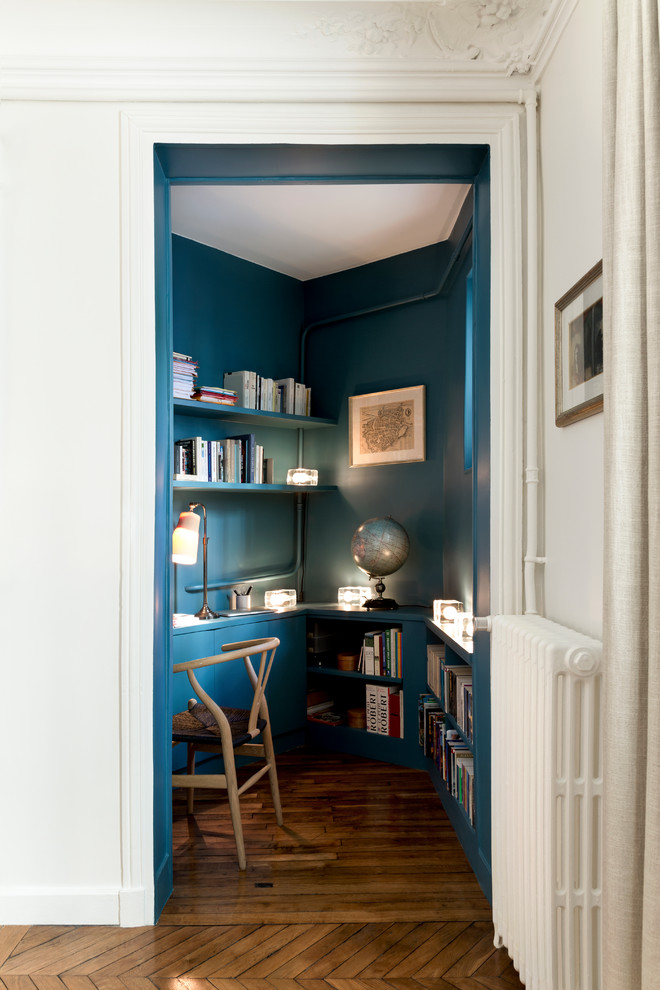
<point>238,414</point>
<point>355,674</point>
<point>464,650</point>
<point>245,487</point>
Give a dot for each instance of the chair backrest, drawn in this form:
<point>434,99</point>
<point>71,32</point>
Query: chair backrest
<point>234,651</point>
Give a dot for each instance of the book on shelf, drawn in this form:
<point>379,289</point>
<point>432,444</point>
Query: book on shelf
<point>318,701</point>
<point>247,443</point>
<point>384,709</point>
<point>287,387</point>
<point>371,707</point>
<point>256,391</point>
<point>244,383</point>
<point>326,718</point>
<point>211,393</point>
<point>428,705</point>
<point>299,401</point>
<point>381,652</point>
<point>188,460</point>
<point>184,373</point>
<point>234,460</point>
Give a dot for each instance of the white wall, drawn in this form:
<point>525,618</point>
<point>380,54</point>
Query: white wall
<point>66,797</point>
<point>571,176</point>
<point>60,437</point>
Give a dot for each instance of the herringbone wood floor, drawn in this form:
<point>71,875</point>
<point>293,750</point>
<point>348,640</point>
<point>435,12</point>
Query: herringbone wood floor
<point>365,888</point>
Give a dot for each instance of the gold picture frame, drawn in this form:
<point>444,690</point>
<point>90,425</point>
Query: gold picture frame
<point>579,349</point>
<point>387,427</point>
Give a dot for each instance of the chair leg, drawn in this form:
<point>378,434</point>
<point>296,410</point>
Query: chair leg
<point>190,770</point>
<point>235,809</point>
<point>272,773</point>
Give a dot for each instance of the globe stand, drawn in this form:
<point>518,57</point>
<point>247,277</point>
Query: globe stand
<point>380,602</point>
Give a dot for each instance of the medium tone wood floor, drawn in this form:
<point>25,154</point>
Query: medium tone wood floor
<point>365,888</point>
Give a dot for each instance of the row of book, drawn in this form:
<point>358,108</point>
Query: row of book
<point>380,655</point>
<point>451,683</point>
<point>284,395</point>
<point>454,759</point>
<point>236,460</point>
<point>384,709</point>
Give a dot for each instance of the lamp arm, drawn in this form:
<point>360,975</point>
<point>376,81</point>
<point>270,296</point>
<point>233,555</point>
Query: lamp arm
<point>205,612</point>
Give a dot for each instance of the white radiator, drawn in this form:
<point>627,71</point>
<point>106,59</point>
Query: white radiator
<point>546,696</point>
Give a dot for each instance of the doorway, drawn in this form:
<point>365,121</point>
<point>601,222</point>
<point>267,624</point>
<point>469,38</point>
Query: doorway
<point>188,164</point>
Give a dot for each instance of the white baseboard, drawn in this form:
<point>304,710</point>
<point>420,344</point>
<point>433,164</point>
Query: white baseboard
<point>73,906</point>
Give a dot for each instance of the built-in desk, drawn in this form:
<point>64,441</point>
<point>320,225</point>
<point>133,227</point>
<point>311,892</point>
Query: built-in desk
<point>295,670</point>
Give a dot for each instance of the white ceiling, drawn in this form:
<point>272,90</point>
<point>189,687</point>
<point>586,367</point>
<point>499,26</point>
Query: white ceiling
<point>311,230</point>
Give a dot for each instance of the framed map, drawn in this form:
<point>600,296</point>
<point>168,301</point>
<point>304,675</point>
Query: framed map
<point>386,427</point>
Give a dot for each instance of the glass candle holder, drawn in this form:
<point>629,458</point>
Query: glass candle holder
<point>446,609</point>
<point>464,625</point>
<point>353,597</point>
<point>282,598</point>
<point>302,476</point>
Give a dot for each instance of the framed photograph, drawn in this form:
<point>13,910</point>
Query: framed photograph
<point>387,427</point>
<point>579,349</point>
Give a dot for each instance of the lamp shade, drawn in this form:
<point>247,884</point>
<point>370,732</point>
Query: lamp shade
<point>185,539</point>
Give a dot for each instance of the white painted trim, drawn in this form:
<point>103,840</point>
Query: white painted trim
<point>324,80</point>
<point>137,521</point>
<point>495,125</point>
<point>50,905</point>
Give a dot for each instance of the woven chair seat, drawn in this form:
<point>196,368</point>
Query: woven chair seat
<point>198,725</point>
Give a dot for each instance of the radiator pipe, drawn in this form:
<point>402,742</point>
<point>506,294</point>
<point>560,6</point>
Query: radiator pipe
<point>260,576</point>
<point>381,307</point>
<point>532,476</point>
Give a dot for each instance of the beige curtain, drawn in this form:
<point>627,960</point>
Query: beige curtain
<point>631,266</point>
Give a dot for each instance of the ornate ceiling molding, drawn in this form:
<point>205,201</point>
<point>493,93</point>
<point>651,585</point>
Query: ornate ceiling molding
<point>503,33</point>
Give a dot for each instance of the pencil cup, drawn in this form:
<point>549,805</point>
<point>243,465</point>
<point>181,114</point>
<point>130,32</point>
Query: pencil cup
<point>242,601</point>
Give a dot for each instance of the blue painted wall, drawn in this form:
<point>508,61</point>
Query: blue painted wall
<point>420,343</point>
<point>231,315</point>
<point>423,342</point>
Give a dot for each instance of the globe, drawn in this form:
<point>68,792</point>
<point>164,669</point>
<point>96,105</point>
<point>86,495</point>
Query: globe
<point>379,547</point>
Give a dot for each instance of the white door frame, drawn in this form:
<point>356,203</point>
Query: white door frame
<point>496,124</point>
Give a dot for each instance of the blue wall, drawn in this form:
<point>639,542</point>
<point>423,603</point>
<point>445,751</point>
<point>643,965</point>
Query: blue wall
<point>420,343</point>
<point>231,314</point>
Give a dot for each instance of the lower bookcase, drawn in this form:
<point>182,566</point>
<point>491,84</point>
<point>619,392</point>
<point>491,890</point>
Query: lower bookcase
<point>351,707</point>
<point>454,729</point>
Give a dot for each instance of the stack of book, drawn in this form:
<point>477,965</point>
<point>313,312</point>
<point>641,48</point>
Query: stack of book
<point>213,393</point>
<point>184,375</point>
<point>384,709</point>
<point>283,395</point>
<point>381,653</point>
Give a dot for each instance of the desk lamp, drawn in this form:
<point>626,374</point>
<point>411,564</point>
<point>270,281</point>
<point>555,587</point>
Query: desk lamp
<point>185,543</point>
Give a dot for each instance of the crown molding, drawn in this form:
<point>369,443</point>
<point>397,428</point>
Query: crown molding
<point>177,80</point>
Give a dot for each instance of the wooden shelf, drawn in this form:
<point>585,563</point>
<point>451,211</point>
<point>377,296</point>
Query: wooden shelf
<point>244,488</point>
<point>237,414</point>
